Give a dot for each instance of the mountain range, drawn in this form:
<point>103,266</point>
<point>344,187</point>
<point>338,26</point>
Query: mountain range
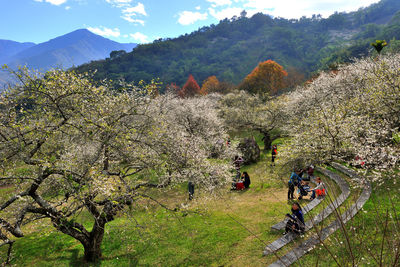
<point>72,49</point>
<point>233,47</point>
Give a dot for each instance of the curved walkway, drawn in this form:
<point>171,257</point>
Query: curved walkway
<point>295,254</point>
<point>345,192</point>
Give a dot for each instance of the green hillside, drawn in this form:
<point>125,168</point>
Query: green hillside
<point>231,49</point>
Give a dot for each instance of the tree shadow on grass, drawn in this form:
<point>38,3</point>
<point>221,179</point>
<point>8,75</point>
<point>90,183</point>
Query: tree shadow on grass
<point>75,259</point>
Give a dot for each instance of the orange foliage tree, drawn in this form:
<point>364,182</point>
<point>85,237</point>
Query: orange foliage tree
<point>266,78</point>
<point>210,85</point>
<point>191,88</point>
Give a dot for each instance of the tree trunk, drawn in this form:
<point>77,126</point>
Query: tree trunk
<point>93,246</point>
<point>267,141</point>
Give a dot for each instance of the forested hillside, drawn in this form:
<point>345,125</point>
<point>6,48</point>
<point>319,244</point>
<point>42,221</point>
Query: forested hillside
<point>231,49</point>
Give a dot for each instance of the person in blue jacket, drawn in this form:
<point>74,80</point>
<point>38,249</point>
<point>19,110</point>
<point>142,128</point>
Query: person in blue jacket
<point>294,180</point>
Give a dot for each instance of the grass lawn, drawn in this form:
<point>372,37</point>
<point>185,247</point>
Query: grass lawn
<point>229,230</point>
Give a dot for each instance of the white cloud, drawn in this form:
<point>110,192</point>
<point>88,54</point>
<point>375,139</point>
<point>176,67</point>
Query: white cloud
<point>225,13</point>
<point>142,38</point>
<point>106,32</point>
<point>302,8</point>
<point>136,21</point>
<point>129,11</point>
<point>133,11</point>
<point>67,8</point>
<point>119,3</point>
<point>53,2</point>
<point>198,7</point>
<point>189,17</point>
<point>216,3</point>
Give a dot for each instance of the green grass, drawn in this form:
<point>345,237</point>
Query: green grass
<point>211,234</point>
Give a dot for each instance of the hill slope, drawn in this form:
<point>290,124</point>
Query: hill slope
<point>231,49</point>
<point>72,49</point>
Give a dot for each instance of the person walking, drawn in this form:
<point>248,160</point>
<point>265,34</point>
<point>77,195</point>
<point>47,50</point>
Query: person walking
<point>191,190</point>
<point>274,153</point>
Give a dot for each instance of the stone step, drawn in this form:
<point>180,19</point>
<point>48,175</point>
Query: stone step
<point>295,254</point>
<point>281,225</point>
<point>345,192</point>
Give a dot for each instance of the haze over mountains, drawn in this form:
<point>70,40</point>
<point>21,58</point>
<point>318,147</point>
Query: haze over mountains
<point>10,48</point>
<point>72,49</point>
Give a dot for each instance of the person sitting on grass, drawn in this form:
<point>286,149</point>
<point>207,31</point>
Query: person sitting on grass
<point>296,220</point>
<point>246,180</point>
<point>236,179</point>
<point>304,188</point>
<point>319,190</point>
<point>294,180</point>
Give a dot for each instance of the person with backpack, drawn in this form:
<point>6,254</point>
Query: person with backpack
<point>294,180</point>
<point>295,223</point>
<point>274,153</point>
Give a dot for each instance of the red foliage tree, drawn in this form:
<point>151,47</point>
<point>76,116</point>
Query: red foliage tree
<point>191,88</point>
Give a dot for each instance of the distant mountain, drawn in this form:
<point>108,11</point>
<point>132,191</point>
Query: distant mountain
<point>10,48</point>
<point>73,49</point>
<point>231,49</point>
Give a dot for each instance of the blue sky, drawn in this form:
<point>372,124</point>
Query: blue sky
<point>142,21</point>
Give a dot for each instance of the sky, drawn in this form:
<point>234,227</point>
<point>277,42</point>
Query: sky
<point>142,21</point>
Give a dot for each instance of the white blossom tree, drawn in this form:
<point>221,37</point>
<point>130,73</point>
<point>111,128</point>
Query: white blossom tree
<point>68,146</point>
<point>241,111</point>
<point>351,115</point>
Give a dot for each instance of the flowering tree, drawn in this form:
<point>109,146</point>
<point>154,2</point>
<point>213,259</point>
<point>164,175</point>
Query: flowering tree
<point>172,89</point>
<point>68,146</point>
<point>350,115</point>
<point>241,110</point>
<point>266,78</point>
